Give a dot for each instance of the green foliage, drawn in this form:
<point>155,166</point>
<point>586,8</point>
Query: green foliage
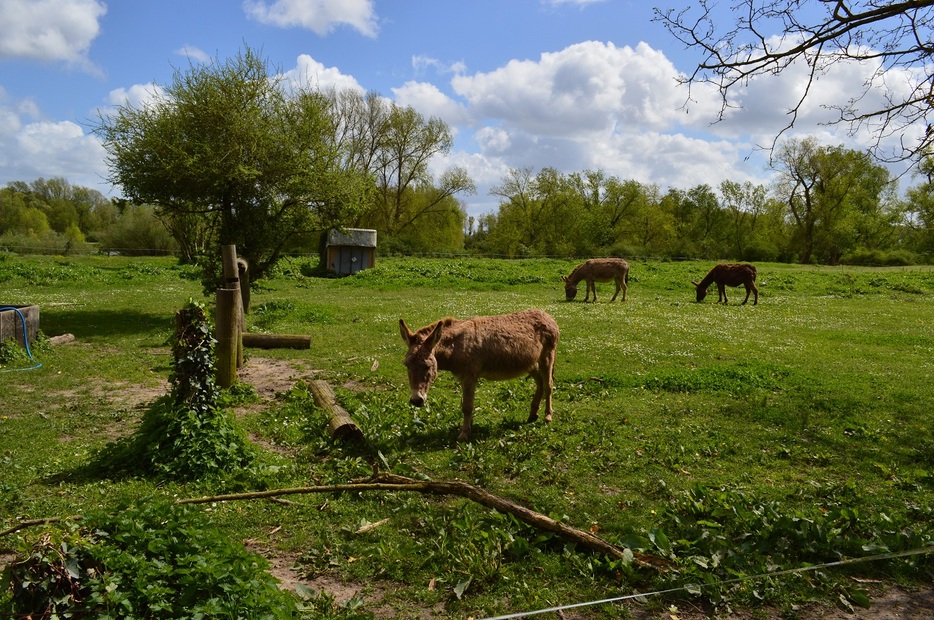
<point>187,435</point>
<point>138,231</point>
<point>149,559</point>
<point>719,536</point>
<point>255,158</point>
<point>12,354</point>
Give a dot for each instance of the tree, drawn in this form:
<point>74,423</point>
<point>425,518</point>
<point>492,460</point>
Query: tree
<point>921,208</point>
<point>229,141</point>
<point>607,204</point>
<point>743,204</point>
<point>829,191</point>
<point>538,214</point>
<point>892,35</point>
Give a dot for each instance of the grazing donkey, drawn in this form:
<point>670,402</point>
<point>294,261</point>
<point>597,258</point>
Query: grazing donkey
<point>499,347</point>
<point>598,270</point>
<point>728,274</point>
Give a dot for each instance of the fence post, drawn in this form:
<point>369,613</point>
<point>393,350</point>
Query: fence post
<point>228,335</point>
<point>232,281</point>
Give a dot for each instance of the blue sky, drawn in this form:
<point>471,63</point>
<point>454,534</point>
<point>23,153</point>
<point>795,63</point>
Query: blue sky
<point>570,84</point>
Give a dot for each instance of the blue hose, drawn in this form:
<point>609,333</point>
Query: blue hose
<point>25,340</point>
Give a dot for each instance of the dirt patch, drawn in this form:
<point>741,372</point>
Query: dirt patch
<point>270,377</point>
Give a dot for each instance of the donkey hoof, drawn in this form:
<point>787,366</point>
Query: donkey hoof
<point>532,417</point>
<point>463,437</point>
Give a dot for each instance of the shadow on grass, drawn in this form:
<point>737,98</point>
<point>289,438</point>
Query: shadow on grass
<point>103,323</point>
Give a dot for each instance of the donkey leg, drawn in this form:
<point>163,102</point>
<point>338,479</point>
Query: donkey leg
<point>617,293</point>
<point>748,290</point>
<point>548,375</point>
<point>539,392</point>
<point>467,409</point>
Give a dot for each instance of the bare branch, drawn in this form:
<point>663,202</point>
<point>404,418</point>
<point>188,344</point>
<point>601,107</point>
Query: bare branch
<point>765,37</point>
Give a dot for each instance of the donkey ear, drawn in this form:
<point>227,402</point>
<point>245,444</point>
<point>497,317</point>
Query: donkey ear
<point>435,336</point>
<point>694,283</point>
<point>405,331</point>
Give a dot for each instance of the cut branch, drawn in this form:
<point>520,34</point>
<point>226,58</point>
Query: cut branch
<point>393,483</point>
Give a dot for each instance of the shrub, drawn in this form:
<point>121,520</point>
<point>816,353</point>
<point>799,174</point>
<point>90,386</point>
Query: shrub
<point>150,560</point>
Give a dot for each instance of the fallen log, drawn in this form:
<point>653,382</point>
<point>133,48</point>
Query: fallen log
<point>276,341</point>
<point>340,424</point>
<point>390,482</point>
<point>63,339</point>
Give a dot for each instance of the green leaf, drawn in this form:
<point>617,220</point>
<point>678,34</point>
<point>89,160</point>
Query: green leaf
<point>461,587</point>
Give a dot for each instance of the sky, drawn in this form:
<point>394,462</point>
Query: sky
<point>573,85</point>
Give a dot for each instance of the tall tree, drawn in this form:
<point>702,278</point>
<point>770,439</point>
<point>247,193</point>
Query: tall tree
<point>607,203</point>
<point>743,204</point>
<point>230,142</point>
<point>827,190</point>
<point>921,208</point>
<point>765,37</point>
<point>536,215</point>
<point>394,145</point>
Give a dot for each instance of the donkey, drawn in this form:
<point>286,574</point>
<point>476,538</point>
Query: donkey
<point>498,347</point>
<point>598,270</point>
<point>729,274</point>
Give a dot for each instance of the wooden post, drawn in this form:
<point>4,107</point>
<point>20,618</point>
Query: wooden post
<point>228,335</point>
<point>232,281</point>
<point>340,424</point>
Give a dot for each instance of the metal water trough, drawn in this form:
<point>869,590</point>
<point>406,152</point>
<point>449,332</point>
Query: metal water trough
<point>11,323</point>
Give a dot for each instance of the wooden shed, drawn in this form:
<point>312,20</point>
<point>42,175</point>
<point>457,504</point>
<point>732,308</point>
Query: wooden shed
<point>350,250</point>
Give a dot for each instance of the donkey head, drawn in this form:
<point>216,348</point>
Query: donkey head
<point>420,359</point>
<point>701,291</point>
<point>570,288</point>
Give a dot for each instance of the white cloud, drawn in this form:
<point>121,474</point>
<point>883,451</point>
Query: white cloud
<point>50,30</point>
<point>30,150</point>
<point>309,73</point>
<point>136,96</point>
<point>319,16</point>
<point>594,106</point>
<point>589,87</point>
<point>194,54</point>
<point>428,100</point>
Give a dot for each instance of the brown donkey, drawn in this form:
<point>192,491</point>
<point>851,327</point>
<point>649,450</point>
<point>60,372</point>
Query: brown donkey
<point>485,347</point>
<point>598,270</point>
<point>729,274</point>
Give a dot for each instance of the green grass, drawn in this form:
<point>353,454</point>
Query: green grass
<point>674,421</point>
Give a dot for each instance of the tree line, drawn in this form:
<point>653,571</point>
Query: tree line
<point>231,152</point>
<point>827,205</point>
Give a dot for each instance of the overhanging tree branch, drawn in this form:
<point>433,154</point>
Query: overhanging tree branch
<point>762,37</point>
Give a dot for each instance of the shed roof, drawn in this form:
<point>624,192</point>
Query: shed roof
<point>358,237</point>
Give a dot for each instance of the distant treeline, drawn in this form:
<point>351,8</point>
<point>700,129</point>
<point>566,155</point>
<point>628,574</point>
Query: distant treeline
<point>828,205</point>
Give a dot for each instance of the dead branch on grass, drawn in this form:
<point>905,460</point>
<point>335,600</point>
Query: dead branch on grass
<point>393,483</point>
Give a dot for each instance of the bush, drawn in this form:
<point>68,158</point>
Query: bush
<point>151,560</point>
<point>880,258</point>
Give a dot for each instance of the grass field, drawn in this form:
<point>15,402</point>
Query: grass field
<point>732,440</point>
